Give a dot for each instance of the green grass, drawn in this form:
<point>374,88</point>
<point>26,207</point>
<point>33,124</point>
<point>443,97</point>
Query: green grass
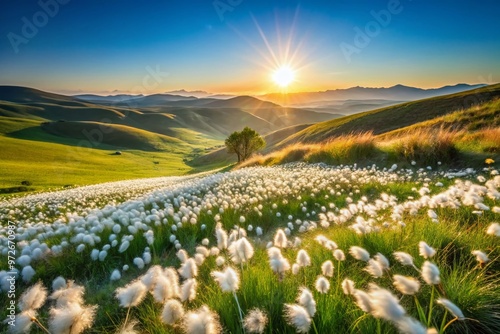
<point>49,161</point>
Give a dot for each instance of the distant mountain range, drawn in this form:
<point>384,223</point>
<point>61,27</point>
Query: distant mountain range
<point>394,93</point>
<point>339,101</point>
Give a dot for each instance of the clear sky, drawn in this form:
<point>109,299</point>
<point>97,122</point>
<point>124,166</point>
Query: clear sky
<point>233,46</point>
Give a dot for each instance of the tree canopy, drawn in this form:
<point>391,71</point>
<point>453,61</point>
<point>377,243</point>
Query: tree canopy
<point>244,143</point>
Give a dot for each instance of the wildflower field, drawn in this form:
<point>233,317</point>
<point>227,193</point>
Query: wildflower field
<point>295,248</point>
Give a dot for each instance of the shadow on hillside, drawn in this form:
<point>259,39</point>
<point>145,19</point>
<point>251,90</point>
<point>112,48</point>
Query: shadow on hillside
<point>36,133</point>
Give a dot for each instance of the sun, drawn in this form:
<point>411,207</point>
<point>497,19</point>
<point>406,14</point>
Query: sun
<point>284,76</point>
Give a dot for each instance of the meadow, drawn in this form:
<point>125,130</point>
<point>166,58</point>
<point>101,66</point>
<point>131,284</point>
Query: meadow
<point>292,248</point>
<point>68,162</point>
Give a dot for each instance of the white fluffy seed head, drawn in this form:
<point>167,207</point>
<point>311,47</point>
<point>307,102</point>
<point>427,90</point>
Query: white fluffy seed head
<point>115,275</point>
<point>280,239</point>
<point>359,253</point>
<point>298,317</point>
<point>139,262</point>
<point>188,290</point>
<point>339,255</point>
<point>73,318</point>
<point>33,298</point>
<point>306,299</point>
<point>228,279</point>
<point>182,255</point>
<point>150,277</point>
<point>23,260</point>
<point>255,322</point>
<point>172,276</point>
<point>274,253</point>
<point>132,294</point>
<point>189,269</point>
<point>425,250</point>
<point>172,312</point>
<point>279,265</point>
<point>362,300</point>
<point>23,323</point>
<point>382,260</point>
<point>244,249</point>
<point>202,321</point>
<point>374,268</point>
<point>199,259</point>
<point>303,258</point>
<point>452,308</point>
<point>327,268</point>
<point>404,258</point>
<point>493,229</point>
<point>406,285</point>
<point>348,286</point>
<point>408,325</point>
<point>219,261</point>
<point>221,236</point>
<point>203,251</point>
<point>27,273</point>
<point>430,273</point>
<point>214,251</point>
<point>58,283</point>
<point>162,289</point>
<point>385,305</point>
<point>322,285</point>
<point>480,256</point>
<point>72,293</point>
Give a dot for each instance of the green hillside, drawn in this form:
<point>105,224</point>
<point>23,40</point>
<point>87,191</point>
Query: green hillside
<point>119,136</point>
<point>394,117</point>
<point>47,160</point>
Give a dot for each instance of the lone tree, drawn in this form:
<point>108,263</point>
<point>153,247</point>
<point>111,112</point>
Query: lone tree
<point>244,143</point>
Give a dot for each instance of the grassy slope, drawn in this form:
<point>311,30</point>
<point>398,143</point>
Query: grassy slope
<point>221,157</point>
<point>462,138</point>
<point>116,135</point>
<point>53,161</point>
<point>395,117</point>
<point>445,111</point>
<point>477,117</point>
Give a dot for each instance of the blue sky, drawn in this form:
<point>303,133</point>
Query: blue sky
<point>105,46</point>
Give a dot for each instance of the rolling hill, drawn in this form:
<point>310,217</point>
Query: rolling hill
<point>244,102</point>
<point>212,118</point>
<point>93,98</point>
<point>394,117</point>
<point>468,111</point>
<point>118,136</point>
<point>66,137</point>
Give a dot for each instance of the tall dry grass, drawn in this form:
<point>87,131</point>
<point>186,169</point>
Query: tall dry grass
<point>426,145</point>
<point>291,153</point>
<point>339,150</point>
<point>486,140</point>
<point>350,148</point>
